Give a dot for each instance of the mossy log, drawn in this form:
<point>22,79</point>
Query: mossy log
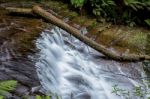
<point>76,33</point>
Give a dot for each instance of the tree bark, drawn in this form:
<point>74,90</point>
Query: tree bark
<point>20,10</point>
<point>76,33</point>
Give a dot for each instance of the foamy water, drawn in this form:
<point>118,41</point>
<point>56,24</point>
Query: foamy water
<point>72,70</point>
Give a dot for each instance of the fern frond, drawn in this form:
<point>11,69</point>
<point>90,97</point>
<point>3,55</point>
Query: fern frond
<point>38,97</point>
<point>135,4</point>
<point>1,97</point>
<point>6,86</point>
<point>47,97</point>
<point>147,22</point>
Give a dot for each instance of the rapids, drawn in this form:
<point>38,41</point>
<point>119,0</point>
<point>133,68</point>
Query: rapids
<point>72,70</point>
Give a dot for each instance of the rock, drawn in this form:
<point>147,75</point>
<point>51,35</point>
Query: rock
<point>25,72</point>
<point>21,90</point>
<point>16,35</point>
<point>36,89</point>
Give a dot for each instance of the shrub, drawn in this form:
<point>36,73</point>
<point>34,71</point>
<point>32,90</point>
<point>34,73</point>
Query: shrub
<point>127,11</point>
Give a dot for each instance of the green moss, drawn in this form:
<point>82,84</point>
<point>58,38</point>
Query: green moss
<point>148,44</point>
<point>72,14</point>
<point>93,25</point>
<point>139,39</point>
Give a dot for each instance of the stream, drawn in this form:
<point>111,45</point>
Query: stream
<point>73,70</point>
<point>60,63</point>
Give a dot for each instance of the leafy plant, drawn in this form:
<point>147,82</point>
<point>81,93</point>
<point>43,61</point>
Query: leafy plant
<point>7,86</point>
<point>42,97</point>
<point>118,11</point>
<point>134,4</point>
<point>103,7</point>
<point>78,3</point>
<point>46,97</point>
<point>137,91</point>
<point>1,97</point>
<point>120,92</point>
<point>147,21</point>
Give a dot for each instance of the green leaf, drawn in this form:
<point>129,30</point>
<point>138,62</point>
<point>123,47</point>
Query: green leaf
<point>7,85</point>
<point>77,3</point>
<point>1,97</point>
<point>38,97</point>
<point>47,97</point>
<point>3,92</point>
<point>147,21</point>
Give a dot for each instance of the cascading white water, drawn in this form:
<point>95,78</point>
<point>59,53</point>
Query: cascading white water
<point>70,69</point>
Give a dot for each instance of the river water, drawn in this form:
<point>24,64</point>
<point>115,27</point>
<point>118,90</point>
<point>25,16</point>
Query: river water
<point>72,70</point>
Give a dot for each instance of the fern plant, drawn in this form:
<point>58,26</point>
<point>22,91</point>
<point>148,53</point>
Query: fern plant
<point>147,21</point>
<point>104,8</point>
<point>1,97</point>
<point>134,4</point>
<point>131,12</point>
<point>78,3</point>
<point>46,97</point>
<point>7,86</point>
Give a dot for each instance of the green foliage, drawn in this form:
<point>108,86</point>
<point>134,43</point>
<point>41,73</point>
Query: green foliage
<point>94,24</point>
<point>38,97</point>
<point>138,91</point>
<point>77,3</point>
<point>43,97</point>
<point>134,4</point>
<point>6,86</point>
<point>121,11</point>
<point>147,21</point>
<point>46,97</point>
<point>103,7</point>
<point>120,92</point>
<point>139,39</point>
<point>1,97</point>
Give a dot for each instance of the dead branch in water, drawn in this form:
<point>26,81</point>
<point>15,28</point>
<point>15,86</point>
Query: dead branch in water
<point>76,33</point>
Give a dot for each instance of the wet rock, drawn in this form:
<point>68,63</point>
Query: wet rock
<point>4,76</point>
<point>8,95</point>
<point>83,95</point>
<point>23,71</point>
<point>36,90</point>
<point>16,41</point>
<point>21,90</point>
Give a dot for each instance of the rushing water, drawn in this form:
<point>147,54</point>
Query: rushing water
<point>72,70</point>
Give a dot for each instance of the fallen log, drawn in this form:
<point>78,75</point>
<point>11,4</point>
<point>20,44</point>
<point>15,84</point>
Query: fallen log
<point>25,11</point>
<point>76,33</point>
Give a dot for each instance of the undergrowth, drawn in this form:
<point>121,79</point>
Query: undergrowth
<point>7,86</point>
<point>130,12</point>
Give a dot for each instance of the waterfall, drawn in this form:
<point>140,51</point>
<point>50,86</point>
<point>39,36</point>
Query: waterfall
<point>72,70</point>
